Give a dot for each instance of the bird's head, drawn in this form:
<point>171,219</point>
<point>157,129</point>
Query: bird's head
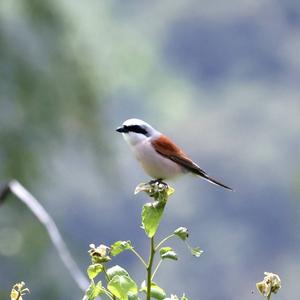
<point>136,130</point>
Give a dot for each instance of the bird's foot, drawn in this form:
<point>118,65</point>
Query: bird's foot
<point>156,188</point>
<point>158,182</point>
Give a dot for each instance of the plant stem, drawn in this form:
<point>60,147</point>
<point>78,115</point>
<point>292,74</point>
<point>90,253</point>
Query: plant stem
<point>107,280</point>
<point>149,267</point>
<point>139,257</point>
<point>109,295</point>
<point>157,267</point>
<point>105,273</point>
<point>269,296</point>
<point>164,240</point>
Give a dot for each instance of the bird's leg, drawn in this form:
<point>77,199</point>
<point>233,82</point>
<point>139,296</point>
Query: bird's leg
<point>154,181</point>
<point>157,189</point>
<point>158,182</point>
<point>165,185</point>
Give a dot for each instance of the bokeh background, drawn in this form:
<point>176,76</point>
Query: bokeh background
<point>222,78</point>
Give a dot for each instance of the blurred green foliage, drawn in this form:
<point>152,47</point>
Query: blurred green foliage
<point>220,78</point>
<point>45,89</point>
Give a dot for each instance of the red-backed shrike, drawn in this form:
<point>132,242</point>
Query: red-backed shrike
<point>158,155</point>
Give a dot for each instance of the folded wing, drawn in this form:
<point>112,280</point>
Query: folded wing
<point>164,146</point>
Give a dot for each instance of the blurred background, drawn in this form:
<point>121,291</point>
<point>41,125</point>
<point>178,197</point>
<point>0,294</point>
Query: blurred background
<point>220,78</point>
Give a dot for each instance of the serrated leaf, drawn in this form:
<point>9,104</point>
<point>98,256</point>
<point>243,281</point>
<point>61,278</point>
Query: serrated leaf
<point>196,251</point>
<point>94,270</point>
<point>121,285</point>
<point>168,252</point>
<point>116,270</point>
<point>182,233</point>
<point>156,291</point>
<point>93,291</point>
<point>151,216</point>
<point>120,246</point>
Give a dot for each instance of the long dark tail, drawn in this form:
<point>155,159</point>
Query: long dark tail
<point>194,168</point>
<point>216,182</point>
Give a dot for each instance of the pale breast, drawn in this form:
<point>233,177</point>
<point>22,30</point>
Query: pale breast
<point>154,163</point>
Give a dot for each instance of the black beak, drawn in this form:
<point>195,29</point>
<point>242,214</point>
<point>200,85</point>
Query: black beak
<point>121,129</point>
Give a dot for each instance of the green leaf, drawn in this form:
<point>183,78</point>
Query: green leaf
<point>121,285</point>
<point>168,252</point>
<point>133,296</point>
<point>182,233</point>
<point>170,191</point>
<point>116,270</point>
<point>93,291</point>
<point>184,297</point>
<point>196,251</point>
<point>94,270</point>
<point>151,216</point>
<point>120,246</point>
<point>156,291</point>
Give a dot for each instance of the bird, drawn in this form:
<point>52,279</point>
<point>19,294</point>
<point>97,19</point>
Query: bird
<point>161,158</point>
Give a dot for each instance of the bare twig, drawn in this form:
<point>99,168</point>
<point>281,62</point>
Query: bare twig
<point>38,210</point>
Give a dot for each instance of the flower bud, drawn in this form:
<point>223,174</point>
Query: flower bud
<point>270,284</point>
<point>99,254</point>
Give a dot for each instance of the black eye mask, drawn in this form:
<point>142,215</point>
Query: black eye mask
<point>133,128</point>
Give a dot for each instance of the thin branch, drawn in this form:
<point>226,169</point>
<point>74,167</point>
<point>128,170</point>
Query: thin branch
<point>156,269</point>
<point>139,256</point>
<point>41,214</point>
<point>149,268</point>
<point>109,294</point>
<point>164,240</point>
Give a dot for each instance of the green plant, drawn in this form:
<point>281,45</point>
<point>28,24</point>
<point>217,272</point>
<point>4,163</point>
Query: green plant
<point>269,285</point>
<point>18,290</point>
<point>116,282</point>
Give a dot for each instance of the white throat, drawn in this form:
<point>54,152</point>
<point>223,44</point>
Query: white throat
<point>133,138</point>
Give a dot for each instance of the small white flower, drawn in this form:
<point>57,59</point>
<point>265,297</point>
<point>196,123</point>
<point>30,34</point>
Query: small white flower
<point>270,284</point>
